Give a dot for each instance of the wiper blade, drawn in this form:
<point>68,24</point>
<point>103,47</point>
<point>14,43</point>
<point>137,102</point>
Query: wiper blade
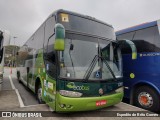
<point>90,68</point>
<point>105,61</point>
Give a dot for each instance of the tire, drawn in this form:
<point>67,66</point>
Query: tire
<point>51,110</point>
<point>147,98</point>
<point>39,94</point>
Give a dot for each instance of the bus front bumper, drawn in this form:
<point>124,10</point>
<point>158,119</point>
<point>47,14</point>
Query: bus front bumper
<point>67,104</point>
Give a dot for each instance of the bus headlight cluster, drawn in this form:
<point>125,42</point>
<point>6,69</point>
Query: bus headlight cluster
<point>65,106</point>
<point>119,90</point>
<point>70,93</point>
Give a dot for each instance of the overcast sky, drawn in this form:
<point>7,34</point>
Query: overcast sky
<point>23,17</point>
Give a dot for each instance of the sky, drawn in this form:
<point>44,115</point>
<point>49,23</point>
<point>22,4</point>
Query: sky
<point>23,17</point>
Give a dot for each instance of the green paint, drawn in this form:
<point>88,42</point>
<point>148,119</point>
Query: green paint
<point>132,75</point>
<point>59,37</point>
<point>87,103</point>
<point>71,85</point>
<point>59,44</point>
<point>133,47</point>
<point>134,55</point>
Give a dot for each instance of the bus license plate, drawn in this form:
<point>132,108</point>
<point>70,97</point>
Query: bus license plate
<point>101,102</point>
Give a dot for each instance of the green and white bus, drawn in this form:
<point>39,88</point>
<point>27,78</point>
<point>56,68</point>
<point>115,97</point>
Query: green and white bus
<point>73,63</point>
<point>4,41</point>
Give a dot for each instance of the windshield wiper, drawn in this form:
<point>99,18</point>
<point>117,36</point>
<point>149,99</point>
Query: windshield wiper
<point>90,68</point>
<point>93,63</point>
<point>105,61</point>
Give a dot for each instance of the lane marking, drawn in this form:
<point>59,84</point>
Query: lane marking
<point>35,105</point>
<point>17,92</point>
<point>12,85</point>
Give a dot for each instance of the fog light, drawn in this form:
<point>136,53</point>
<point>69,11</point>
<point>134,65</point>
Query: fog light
<point>68,106</point>
<point>62,105</point>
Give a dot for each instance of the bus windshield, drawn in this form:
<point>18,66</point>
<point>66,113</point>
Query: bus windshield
<point>78,60</point>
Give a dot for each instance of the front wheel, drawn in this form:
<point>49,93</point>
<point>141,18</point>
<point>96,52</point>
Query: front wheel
<point>147,98</point>
<point>39,94</point>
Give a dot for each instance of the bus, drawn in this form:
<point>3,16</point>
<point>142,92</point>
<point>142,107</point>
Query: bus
<point>142,76</point>
<point>4,41</point>
<point>73,63</point>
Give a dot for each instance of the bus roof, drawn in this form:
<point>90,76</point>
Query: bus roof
<point>73,13</point>
<point>137,27</point>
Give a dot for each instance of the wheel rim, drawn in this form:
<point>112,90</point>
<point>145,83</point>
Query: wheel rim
<point>145,99</point>
<point>40,94</point>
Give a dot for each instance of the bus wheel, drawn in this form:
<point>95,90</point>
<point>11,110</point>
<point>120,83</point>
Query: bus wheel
<point>39,94</point>
<point>52,110</point>
<point>147,98</point>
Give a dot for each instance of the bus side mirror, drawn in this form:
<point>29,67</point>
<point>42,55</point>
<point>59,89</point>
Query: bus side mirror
<point>133,47</point>
<point>59,37</point>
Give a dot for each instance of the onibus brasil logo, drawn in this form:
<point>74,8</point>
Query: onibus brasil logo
<point>71,85</point>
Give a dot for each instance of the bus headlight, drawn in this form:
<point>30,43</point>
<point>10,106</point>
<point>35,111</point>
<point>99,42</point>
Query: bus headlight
<point>70,93</point>
<point>119,90</point>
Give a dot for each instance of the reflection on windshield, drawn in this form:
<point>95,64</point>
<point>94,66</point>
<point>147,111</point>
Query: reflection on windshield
<point>78,55</point>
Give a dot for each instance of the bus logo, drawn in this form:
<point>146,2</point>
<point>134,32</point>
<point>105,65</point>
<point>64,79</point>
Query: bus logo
<point>72,85</point>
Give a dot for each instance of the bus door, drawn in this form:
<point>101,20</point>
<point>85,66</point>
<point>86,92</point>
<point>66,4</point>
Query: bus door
<point>29,67</point>
<point>1,46</point>
<point>27,76</point>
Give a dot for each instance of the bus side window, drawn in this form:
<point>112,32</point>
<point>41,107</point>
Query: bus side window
<point>128,36</point>
<point>49,53</point>
<point>144,39</point>
<point>50,63</point>
<point>1,40</point>
<point>157,39</point>
<point>106,52</point>
<point>1,55</point>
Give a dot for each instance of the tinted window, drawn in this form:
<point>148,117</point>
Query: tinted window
<point>49,31</point>
<point>1,55</point>
<point>128,36</point>
<point>39,38</point>
<point>1,49</point>
<point>1,39</point>
<point>146,40</point>
<point>49,53</point>
<point>84,25</point>
<point>157,39</point>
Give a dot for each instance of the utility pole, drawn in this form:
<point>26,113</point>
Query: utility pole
<point>14,50</point>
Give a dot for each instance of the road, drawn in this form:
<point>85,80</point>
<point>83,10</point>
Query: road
<point>27,95</point>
